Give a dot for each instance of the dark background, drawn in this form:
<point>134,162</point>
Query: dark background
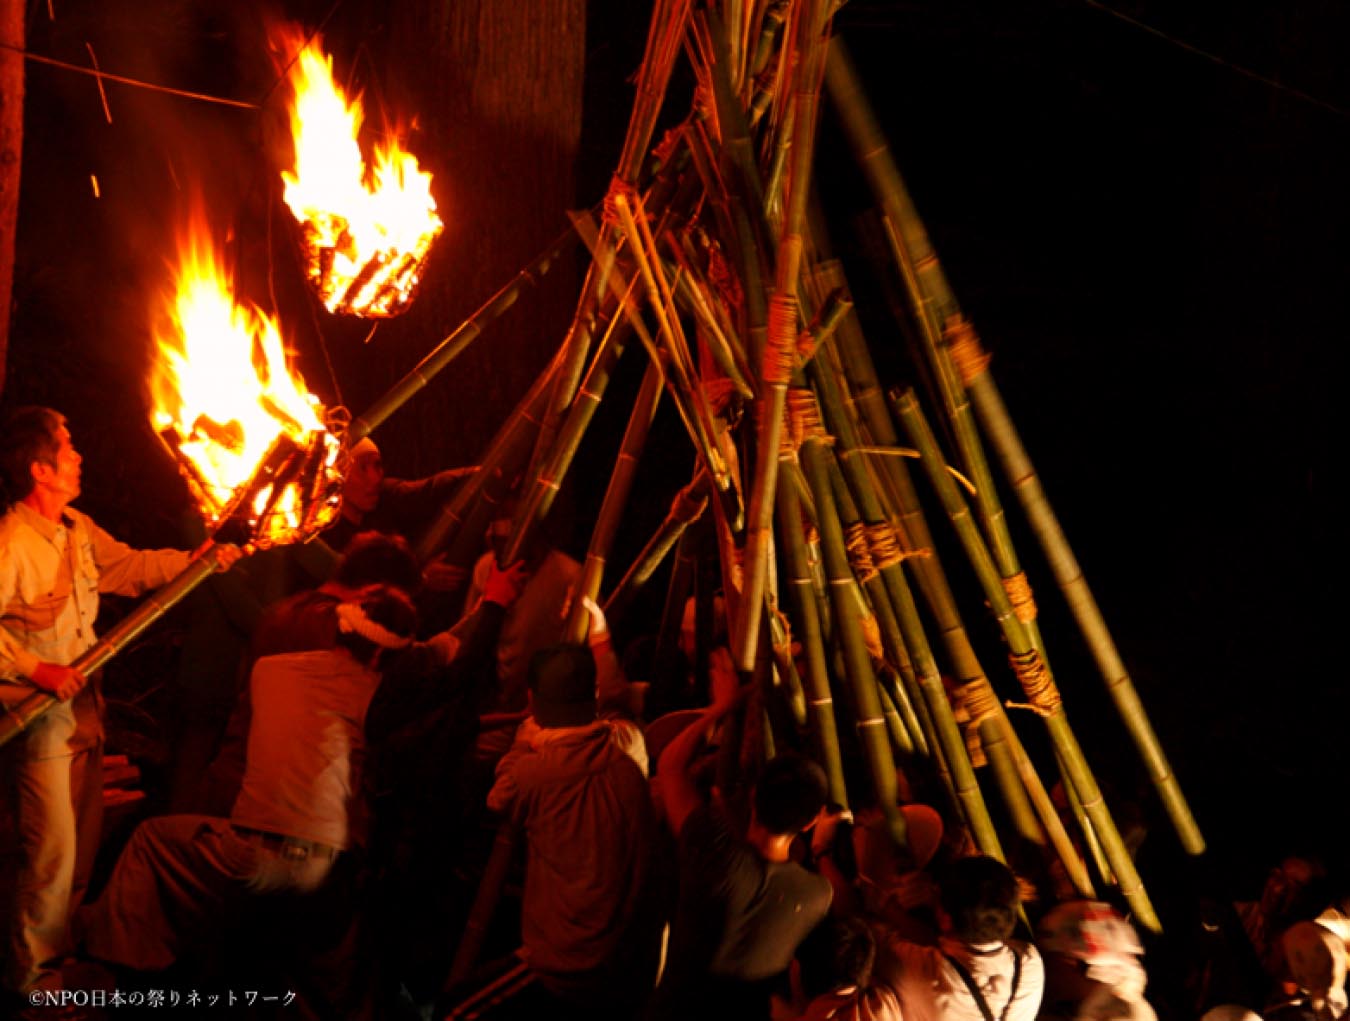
<point>1150,242</point>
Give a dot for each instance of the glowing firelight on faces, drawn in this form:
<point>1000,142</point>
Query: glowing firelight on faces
<point>222,391</point>
<point>366,230</point>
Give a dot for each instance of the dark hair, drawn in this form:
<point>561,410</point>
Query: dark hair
<point>387,606</point>
<point>980,896</point>
<point>789,793</point>
<point>375,558</point>
<point>839,952</point>
<point>28,435</point>
<point>562,683</point>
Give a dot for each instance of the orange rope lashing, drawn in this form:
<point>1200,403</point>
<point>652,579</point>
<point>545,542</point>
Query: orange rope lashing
<point>1019,592</point>
<point>1036,681</point>
<point>963,344</point>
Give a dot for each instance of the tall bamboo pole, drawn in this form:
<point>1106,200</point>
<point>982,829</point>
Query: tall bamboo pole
<point>538,499</point>
<point>127,630</point>
<point>616,498</point>
<point>689,503</point>
<point>810,43</point>
<point>658,61</point>
<point>877,603</point>
<point>476,498</point>
<point>448,349</point>
<point>1033,674</point>
<point>1021,473</point>
<point>820,697</point>
<point>845,601</point>
<point>957,405</point>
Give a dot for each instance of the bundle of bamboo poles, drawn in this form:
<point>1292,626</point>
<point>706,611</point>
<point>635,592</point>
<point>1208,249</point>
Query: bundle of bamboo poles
<point>706,254</point>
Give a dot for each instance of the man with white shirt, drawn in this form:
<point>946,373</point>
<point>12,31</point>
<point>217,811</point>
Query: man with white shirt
<point>977,972</point>
<point>54,562</point>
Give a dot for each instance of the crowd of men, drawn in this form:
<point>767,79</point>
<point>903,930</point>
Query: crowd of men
<point>352,758</point>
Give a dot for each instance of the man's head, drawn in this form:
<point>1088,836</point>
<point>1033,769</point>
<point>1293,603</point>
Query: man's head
<point>361,481</point>
<point>562,686</point>
<point>837,955</point>
<point>380,618</point>
<point>979,896</point>
<point>374,558</point>
<point>36,454</point>
<point>789,793</point>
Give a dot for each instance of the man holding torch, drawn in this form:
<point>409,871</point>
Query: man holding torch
<point>54,562</point>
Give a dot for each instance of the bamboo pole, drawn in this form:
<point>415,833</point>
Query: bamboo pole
<point>478,496</point>
<point>448,349</point>
<point>658,61</point>
<point>536,502</point>
<point>616,498</point>
<point>845,602</point>
<point>957,405</point>
<point>484,902</point>
<point>127,630</point>
<point>874,156</point>
<point>810,43</point>
<point>1033,674</point>
<point>1022,476</point>
<point>689,503</point>
<point>877,603</point>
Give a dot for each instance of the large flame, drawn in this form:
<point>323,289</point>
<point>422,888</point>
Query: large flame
<point>223,395</point>
<point>366,230</point>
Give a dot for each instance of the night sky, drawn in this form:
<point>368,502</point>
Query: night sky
<point>1150,242</point>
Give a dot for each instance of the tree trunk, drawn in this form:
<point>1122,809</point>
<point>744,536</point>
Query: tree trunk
<point>11,149</point>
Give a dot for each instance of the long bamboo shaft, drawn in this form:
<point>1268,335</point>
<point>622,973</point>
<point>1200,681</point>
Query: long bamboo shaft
<point>616,497</point>
<point>126,631</point>
<point>502,459</point>
<point>537,501</point>
<point>448,349</point>
<point>689,503</point>
<point>857,662</point>
<point>1034,675</point>
<point>664,32</point>
<point>811,42</point>
<point>878,603</point>
<point>1026,483</point>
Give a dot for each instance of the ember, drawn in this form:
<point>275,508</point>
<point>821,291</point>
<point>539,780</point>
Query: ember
<point>366,229</point>
<point>248,437</point>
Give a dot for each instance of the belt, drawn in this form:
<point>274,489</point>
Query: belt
<point>288,847</point>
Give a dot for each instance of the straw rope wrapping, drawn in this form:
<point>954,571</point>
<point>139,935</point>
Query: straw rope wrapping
<point>1019,594</point>
<point>353,619</point>
<point>859,552</point>
<point>963,344</point>
<point>1042,692</point>
<point>978,704</point>
<point>804,419</point>
<point>780,352</point>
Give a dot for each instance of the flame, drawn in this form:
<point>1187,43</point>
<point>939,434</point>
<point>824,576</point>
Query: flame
<point>223,395</point>
<point>367,230</point>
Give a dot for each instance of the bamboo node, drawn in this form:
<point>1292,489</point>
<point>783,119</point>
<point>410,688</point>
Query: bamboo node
<point>859,552</point>
<point>804,415</point>
<point>1036,681</point>
<point>1019,592</point>
<point>885,544</point>
<point>963,344</point>
<point>780,349</point>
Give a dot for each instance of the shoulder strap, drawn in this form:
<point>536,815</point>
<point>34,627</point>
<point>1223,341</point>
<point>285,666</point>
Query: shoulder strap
<point>978,996</point>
